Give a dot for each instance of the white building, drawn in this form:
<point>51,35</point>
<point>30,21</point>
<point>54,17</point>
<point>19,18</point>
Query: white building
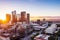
<point>51,29</point>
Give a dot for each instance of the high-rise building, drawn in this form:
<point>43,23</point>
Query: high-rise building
<point>8,17</point>
<point>14,17</point>
<point>18,17</point>
<point>28,18</point>
<point>38,21</point>
<point>23,16</point>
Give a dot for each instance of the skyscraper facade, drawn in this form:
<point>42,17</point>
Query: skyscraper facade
<point>14,17</point>
<point>8,17</point>
<point>28,18</point>
<point>23,16</point>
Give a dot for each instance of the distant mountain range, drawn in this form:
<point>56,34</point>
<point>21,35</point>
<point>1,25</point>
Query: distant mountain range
<point>49,18</point>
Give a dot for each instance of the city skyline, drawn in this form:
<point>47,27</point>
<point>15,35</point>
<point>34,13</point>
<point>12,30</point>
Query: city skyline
<point>34,7</point>
<point>29,19</point>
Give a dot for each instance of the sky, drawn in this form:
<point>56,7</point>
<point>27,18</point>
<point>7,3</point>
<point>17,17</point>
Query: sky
<point>34,7</point>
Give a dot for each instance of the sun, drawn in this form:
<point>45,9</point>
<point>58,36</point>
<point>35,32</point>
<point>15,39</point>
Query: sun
<point>2,17</point>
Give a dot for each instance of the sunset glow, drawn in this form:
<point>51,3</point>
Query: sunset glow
<point>2,17</point>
